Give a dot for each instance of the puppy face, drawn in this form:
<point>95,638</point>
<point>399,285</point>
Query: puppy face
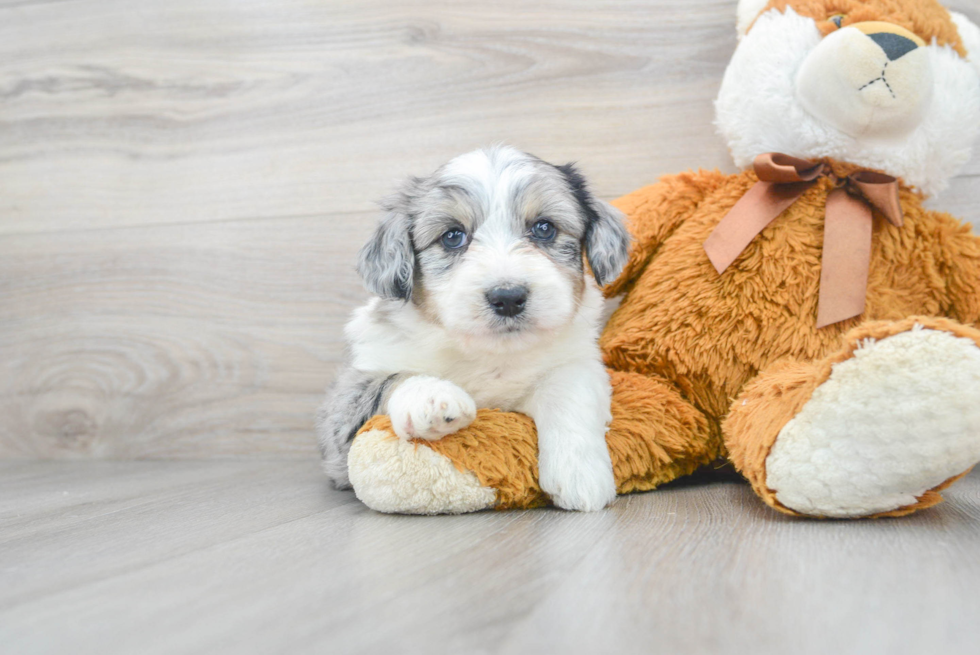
<point>491,247</point>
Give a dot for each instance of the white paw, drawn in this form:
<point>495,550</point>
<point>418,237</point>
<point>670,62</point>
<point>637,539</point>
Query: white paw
<point>424,407</point>
<point>582,481</point>
<point>898,419</point>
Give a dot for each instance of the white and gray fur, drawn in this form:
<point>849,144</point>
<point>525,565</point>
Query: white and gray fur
<point>436,342</point>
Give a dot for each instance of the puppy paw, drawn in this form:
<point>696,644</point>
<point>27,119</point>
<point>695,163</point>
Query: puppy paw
<point>584,483</point>
<point>424,407</point>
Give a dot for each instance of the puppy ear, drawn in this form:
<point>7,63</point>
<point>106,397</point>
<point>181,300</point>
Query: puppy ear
<point>387,260</point>
<point>606,239</point>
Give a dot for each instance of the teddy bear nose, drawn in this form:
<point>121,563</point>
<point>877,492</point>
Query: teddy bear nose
<point>894,45</point>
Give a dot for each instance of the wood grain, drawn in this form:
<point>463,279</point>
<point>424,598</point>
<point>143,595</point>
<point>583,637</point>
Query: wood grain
<point>182,342</point>
<point>183,185</point>
<point>259,557</point>
<point>203,111</point>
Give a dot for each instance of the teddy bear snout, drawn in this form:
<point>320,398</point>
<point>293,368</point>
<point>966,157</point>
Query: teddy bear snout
<point>869,79</point>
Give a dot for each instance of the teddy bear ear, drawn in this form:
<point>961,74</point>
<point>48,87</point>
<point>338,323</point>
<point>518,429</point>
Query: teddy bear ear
<point>970,34</point>
<point>747,12</point>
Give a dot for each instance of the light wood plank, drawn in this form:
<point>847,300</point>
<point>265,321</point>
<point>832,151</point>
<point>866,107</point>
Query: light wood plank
<point>777,584</point>
<point>193,111</point>
<point>217,566</point>
<point>76,524</point>
<point>176,341</point>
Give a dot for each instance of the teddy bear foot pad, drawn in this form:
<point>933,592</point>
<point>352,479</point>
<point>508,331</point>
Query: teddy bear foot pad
<point>392,475</point>
<point>890,424</point>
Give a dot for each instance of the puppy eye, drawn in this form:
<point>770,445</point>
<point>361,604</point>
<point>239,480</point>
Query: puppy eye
<point>454,239</point>
<point>838,20</point>
<point>544,230</point>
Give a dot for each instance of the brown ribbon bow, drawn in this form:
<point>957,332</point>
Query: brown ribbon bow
<point>847,225</point>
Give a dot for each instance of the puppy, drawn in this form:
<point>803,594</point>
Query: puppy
<point>484,301</point>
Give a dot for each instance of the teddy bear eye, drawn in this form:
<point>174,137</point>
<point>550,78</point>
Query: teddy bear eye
<point>838,20</point>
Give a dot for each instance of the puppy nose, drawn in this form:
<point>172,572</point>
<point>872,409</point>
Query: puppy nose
<point>507,301</point>
<point>894,45</point>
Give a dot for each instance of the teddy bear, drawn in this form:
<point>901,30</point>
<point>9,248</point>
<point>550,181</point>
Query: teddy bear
<point>807,319</point>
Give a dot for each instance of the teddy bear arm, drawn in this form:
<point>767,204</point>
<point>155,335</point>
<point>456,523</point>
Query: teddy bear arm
<point>655,436</point>
<point>959,252</point>
<point>654,212</point>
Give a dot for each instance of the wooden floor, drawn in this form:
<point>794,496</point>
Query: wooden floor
<point>261,557</point>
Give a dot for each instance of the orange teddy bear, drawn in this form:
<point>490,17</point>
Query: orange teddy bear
<point>807,319</point>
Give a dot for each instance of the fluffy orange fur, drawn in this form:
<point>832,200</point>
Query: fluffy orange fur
<point>764,307</point>
<point>707,366</point>
<point>761,314</point>
<point>768,403</point>
<point>686,342</point>
<point>655,437</point>
<point>925,18</point>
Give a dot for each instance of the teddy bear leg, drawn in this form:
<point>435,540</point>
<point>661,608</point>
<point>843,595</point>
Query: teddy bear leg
<point>393,475</point>
<point>655,437</point>
<point>875,429</point>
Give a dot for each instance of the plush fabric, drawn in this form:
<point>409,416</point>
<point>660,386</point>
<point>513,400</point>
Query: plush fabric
<point>654,438</point>
<point>970,34</point>
<point>758,109</point>
<point>765,305</point>
<point>768,403</point>
<point>393,475</point>
<point>869,417</point>
<point>672,388</point>
<point>926,18</point>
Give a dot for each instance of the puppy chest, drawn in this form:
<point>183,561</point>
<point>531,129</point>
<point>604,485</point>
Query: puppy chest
<point>501,385</point>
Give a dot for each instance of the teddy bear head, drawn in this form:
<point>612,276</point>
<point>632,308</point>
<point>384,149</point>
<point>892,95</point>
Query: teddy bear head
<point>892,85</point>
